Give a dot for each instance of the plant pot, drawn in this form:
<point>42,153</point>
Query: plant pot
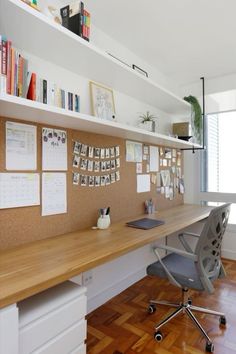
<point>148,125</point>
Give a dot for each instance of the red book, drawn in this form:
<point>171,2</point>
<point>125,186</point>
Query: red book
<point>9,67</point>
<point>31,95</point>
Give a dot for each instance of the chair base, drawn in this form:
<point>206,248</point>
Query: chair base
<point>186,307</point>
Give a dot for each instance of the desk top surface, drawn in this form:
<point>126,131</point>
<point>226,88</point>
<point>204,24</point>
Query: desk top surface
<point>31,268</point>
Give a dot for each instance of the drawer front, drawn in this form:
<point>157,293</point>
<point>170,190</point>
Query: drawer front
<point>38,332</point>
<point>79,350</point>
<point>65,342</point>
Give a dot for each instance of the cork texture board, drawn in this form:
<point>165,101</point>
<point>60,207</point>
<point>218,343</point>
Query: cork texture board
<point>23,225</point>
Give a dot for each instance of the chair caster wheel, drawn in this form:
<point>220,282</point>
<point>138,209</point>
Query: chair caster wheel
<point>151,308</point>
<point>189,301</point>
<point>209,347</point>
<point>158,336</point>
<point>222,320</point>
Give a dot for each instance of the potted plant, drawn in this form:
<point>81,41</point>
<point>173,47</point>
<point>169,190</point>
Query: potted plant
<point>147,121</point>
<point>196,117</point>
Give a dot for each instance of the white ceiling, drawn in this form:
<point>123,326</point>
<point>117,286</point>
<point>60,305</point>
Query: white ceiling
<point>184,39</point>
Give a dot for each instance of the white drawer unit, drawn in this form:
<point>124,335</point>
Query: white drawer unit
<point>53,322</point>
<point>79,350</point>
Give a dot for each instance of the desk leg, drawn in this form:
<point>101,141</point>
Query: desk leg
<point>9,330</point>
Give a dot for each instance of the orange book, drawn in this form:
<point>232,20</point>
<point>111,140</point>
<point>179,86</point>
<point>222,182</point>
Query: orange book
<point>8,67</point>
<point>31,95</point>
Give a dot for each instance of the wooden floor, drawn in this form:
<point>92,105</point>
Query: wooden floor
<point>123,326</point>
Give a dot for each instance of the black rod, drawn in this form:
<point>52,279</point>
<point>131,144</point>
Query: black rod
<point>203,121</point>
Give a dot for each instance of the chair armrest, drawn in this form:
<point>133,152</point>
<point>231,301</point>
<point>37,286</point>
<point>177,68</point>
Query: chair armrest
<point>178,251</point>
<point>184,242</point>
<point>189,234</point>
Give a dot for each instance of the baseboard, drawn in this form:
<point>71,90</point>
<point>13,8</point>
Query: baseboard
<point>228,254</point>
<point>115,289</point>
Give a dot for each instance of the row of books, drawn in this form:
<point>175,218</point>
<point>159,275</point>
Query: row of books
<point>76,19</point>
<point>44,91</point>
<point>13,70</point>
<point>15,79</point>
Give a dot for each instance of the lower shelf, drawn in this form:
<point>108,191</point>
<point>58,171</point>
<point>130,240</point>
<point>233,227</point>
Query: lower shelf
<point>23,109</point>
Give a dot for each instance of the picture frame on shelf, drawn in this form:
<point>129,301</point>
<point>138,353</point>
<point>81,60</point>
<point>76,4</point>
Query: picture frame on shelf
<point>139,70</point>
<point>102,101</point>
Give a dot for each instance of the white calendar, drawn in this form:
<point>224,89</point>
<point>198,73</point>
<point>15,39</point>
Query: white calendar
<point>19,190</point>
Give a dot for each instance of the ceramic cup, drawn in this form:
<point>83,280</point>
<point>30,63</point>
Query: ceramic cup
<point>103,222</point>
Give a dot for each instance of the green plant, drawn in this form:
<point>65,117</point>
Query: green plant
<point>197,110</point>
<point>147,117</point>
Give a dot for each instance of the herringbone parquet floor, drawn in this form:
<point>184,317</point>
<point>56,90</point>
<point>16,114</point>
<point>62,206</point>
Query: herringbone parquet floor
<point>123,326</point>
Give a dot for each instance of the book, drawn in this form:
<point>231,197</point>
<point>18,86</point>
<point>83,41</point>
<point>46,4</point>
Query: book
<point>20,76</point>
<point>12,65</point>
<point>74,24</point>
<point>3,64</point>
<point>65,13</point>
<point>8,66</point>
<point>25,74</point>
<point>82,18</point>
<point>63,99</point>
<point>31,95</point>
<point>76,103</point>
<point>44,91</point>
<point>57,96</point>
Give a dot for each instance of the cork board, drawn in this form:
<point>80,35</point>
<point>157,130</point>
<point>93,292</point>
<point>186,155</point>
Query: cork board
<point>22,225</point>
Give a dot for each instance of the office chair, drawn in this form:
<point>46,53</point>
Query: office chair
<point>193,269</point>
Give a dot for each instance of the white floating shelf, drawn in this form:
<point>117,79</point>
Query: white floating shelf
<point>40,36</point>
<point>27,110</point>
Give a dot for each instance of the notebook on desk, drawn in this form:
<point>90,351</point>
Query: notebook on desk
<point>145,223</point>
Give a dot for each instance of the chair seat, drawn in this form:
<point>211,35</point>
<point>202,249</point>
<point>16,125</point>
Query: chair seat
<point>183,270</point>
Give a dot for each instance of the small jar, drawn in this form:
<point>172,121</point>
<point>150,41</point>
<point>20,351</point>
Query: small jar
<point>103,222</point>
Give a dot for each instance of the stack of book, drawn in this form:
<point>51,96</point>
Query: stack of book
<point>13,70</point>
<point>76,19</point>
<point>15,79</point>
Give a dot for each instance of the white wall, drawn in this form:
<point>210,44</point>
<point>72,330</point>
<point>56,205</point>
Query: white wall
<point>212,85</point>
<point>128,108</point>
<point>103,41</point>
<point>111,278</point>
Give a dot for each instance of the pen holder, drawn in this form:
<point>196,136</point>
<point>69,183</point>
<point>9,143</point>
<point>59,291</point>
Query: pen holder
<point>103,221</point>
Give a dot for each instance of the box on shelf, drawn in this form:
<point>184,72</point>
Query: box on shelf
<point>182,129</point>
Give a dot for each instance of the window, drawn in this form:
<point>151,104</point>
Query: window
<point>218,162</point>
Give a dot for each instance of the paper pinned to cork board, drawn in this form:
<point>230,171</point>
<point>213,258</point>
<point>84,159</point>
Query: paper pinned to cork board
<point>21,147</point>
<point>19,190</point>
<point>54,193</point>
<point>154,159</point>
<point>143,183</point>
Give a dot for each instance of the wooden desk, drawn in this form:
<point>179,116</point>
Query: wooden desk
<point>32,268</point>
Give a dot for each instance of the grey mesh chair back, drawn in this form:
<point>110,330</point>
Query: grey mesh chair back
<point>208,248</point>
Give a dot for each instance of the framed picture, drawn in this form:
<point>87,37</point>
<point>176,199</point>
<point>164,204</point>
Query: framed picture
<point>102,100</point>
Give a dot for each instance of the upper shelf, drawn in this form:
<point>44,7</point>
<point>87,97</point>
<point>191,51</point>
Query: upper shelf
<point>34,32</point>
<point>20,108</point>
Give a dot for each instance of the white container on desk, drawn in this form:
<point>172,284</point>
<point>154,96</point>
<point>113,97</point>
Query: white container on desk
<point>53,322</point>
